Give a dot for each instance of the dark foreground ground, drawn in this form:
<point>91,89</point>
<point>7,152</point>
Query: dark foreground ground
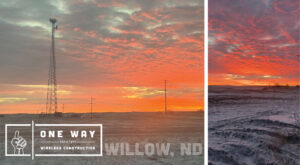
<point>133,127</point>
<point>254,125</point>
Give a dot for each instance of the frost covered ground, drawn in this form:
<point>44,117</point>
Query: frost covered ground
<point>134,127</point>
<point>254,125</point>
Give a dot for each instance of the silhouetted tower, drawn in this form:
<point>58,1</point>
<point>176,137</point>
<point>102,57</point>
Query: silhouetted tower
<point>165,96</point>
<point>91,107</point>
<point>63,108</point>
<point>51,105</point>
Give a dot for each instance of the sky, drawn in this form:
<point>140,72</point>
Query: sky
<point>117,51</point>
<point>254,42</point>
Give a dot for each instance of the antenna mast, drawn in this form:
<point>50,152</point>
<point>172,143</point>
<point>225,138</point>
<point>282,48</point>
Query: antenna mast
<point>51,105</point>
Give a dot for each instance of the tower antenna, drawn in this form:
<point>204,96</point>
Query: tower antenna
<point>51,104</point>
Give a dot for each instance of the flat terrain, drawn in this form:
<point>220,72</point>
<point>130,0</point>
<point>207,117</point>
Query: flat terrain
<point>133,127</point>
<point>254,125</point>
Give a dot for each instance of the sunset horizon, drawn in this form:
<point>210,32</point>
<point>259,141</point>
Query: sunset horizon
<point>253,43</point>
<point>120,53</point>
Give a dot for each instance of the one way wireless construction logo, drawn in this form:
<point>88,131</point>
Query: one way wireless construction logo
<point>18,143</point>
<point>35,140</point>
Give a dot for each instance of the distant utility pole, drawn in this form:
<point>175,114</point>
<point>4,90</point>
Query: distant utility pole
<point>165,96</point>
<point>63,108</point>
<point>91,107</point>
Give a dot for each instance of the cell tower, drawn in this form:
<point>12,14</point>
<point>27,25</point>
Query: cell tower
<point>51,105</point>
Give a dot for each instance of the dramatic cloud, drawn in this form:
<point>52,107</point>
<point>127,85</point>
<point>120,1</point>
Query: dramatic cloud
<point>254,42</point>
<point>120,52</point>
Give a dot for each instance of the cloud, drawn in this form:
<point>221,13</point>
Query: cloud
<point>101,46</point>
<point>253,39</point>
<point>11,99</point>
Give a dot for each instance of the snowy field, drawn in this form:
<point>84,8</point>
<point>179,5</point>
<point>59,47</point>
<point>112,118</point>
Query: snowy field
<point>254,125</point>
<point>134,127</point>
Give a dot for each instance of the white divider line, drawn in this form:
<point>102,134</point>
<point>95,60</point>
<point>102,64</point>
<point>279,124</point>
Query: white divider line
<point>68,154</point>
<point>101,141</point>
<point>25,125</point>
<point>205,81</point>
<point>5,139</point>
<point>32,135</point>
<point>18,155</point>
<point>38,125</point>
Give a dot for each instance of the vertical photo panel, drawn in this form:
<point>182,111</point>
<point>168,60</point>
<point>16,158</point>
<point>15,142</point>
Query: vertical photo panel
<point>253,92</point>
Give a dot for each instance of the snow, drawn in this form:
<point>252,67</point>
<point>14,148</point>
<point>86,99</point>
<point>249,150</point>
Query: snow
<point>134,127</point>
<point>253,125</point>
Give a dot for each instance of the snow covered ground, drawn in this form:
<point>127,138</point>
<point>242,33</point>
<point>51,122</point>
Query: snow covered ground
<point>134,127</point>
<point>254,125</point>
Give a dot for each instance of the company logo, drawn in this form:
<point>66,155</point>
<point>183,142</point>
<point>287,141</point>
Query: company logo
<point>18,143</point>
<point>53,140</point>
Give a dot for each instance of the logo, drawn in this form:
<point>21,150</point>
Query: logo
<point>18,143</point>
<point>53,140</point>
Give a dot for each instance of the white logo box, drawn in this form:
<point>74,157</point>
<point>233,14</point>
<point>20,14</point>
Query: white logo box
<point>33,125</point>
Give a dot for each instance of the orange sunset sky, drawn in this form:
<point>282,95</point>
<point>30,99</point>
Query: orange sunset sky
<point>119,52</point>
<point>254,42</point>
